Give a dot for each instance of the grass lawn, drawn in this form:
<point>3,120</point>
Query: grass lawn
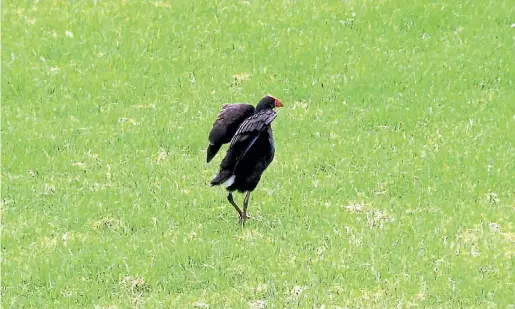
<point>393,184</point>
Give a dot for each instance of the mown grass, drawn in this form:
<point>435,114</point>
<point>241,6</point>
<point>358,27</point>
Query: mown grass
<point>393,183</point>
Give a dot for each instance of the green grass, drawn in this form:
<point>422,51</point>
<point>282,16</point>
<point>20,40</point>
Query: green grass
<point>394,178</point>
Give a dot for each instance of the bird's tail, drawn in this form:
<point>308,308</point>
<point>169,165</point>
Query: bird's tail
<point>212,150</point>
<point>222,177</point>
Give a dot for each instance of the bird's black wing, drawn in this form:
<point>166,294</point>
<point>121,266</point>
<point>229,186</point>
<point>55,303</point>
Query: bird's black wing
<point>225,126</point>
<point>247,134</point>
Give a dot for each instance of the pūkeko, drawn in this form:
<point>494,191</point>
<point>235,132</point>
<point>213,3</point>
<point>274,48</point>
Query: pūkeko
<point>249,131</point>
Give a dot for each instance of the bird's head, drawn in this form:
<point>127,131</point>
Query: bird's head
<point>268,102</point>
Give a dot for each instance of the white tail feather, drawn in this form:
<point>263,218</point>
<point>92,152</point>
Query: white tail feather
<point>230,181</point>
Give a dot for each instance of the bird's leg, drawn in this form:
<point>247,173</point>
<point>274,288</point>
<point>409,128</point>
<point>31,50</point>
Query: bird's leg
<point>231,200</point>
<point>244,216</point>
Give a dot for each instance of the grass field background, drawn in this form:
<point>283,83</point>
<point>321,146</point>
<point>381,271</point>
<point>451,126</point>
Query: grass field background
<point>393,183</point>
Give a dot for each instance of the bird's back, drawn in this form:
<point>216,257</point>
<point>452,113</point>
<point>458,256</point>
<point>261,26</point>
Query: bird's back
<point>250,152</point>
<point>251,167</point>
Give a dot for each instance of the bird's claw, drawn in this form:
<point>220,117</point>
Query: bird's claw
<point>243,218</point>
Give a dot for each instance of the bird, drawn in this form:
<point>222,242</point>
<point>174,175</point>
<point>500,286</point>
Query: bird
<point>251,149</point>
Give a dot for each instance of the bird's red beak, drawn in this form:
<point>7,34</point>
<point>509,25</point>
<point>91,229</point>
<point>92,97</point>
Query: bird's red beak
<point>278,103</point>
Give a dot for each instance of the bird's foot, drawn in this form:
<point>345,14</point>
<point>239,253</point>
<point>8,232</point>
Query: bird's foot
<point>243,218</point>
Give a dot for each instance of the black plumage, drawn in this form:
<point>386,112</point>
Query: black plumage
<point>251,148</point>
<point>226,125</point>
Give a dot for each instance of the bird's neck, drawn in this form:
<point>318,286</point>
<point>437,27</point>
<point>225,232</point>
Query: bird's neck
<point>259,109</point>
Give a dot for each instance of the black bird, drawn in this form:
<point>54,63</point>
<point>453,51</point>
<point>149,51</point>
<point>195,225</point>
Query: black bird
<point>249,131</point>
